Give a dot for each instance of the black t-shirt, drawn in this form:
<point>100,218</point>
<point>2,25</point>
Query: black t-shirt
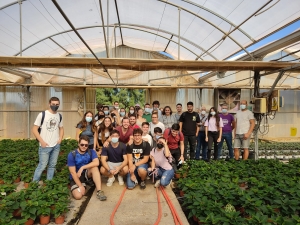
<point>189,123</point>
<point>115,154</point>
<point>138,151</point>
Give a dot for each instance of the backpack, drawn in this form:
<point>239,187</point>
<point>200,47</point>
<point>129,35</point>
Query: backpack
<point>89,151</point>
<point>42,121</point>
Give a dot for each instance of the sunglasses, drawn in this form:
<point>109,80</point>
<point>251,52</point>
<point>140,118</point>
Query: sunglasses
<point>84,145</point>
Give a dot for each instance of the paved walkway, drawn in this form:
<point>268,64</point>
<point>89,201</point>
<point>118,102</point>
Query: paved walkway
<point>138,207</point>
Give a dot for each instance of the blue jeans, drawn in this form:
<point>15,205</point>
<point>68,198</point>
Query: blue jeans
<point>201,143</point>
<point>227,136</point>
<point>130,183</point>
<point>48,154</point>
<point>165,176</point>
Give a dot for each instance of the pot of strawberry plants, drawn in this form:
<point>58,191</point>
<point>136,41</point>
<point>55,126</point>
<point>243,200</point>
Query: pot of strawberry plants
<point>61,208</point>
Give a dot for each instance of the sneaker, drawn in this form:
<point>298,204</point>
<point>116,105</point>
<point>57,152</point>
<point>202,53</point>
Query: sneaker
<point>101,196</point>
<point>157,184</point>
<point>110,181</point>
<point>143,184</point>
<point>121,180</point>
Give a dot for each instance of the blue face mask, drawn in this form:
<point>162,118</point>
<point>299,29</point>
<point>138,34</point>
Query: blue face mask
<point>122,114</point>
<point>224,111</point>
<point>157,137</point>
<point>106,112</point>
<point>147,110</point>
<point>243,106</point>
<point>88,119</point>
<point>114,139</point>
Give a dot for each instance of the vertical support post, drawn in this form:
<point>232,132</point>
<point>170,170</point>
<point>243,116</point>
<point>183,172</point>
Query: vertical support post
<point>256,115</point>
<point>20,9</point>
<point>179,9</point>
<point>28,112</point>
<point>116,54</point>
<point>84,100</point>
<point>256,141</point>
<point>107,28</point>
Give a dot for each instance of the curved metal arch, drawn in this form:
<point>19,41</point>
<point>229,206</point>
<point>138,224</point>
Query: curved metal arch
<point>225,34</point>
<point>221,17</point>
<point>87,27</point>
<point>10,4</point>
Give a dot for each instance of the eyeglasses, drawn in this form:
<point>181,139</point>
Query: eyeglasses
<point>84,145</point>
<point>137,135</point>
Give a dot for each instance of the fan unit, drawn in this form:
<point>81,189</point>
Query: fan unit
<point>259,105</point>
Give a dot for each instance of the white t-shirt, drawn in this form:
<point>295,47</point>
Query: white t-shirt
<point>148,138</point>
<point>50,127</point>
<point>243,121</point>
<point>159,124</point>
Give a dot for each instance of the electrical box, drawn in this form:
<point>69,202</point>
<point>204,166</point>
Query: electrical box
<point>259,105</point>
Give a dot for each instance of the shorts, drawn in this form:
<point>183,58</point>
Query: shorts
<point>112,165</point>
<point>239,141</point>
<point>83,179</point>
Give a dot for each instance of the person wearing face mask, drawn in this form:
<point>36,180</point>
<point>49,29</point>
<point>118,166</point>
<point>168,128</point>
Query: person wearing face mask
<point>160,164</point>
<point>155,107</point>
<point>99,108</point>
<point>201,143</point>
<point>116,106</point>
<point>115,118</point>
<point>213,132</point>
<point>48,130</point>
<point>131,111</point>
<point>229,125</point>
<point>244,126</point>
<point>114,160</point>
<point>147,112</point>
<point>104,130</point>
<point>157,134</point>
<point>122,113</point>
<point>87,127</point>
<point>99,118</point>
<point>106,110</point>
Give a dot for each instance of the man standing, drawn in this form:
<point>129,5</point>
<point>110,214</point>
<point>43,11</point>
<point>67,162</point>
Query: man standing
<point>189,122</point>
<point>201,143</point>
<point>179,111</point>
<point>156,123</point>
<point>116,106</point>
<point>125,133</point>
<point>229,125</point>
<point>147,113</point>
<point>155,106</point>
<point>83,166</point>
<point>138,156</point>
<point>244,126</point>
<point>114,160</point>
<point>132,122</point>
<point>49,137</point>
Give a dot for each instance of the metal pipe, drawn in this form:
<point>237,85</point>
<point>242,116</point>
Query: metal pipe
<point>52,74</point>
<point>28,112</point>
<point>20,7</point>
<point>101,12</point>
<point>179,33</point>
<point>84,100</point>
<point>60,46</point>
<point>168,43</point>
<point>10,4</point>
<point>107,25</point>
<point>116,54</point>
<point>181,75</point>
<point>71,25</point>
<point>117,10</point>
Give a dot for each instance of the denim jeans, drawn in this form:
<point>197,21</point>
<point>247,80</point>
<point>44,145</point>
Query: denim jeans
<point>165,176</point>
<point>201,143</point>
<point>130,183</point>
<point>191,140</point>
<point>227,136</point>
<point>47,156</point>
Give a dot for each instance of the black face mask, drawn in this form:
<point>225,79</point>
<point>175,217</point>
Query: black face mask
<point>54,107</point>
<point>112,115</point>
<point>101,116</point>
<point>160,146</point>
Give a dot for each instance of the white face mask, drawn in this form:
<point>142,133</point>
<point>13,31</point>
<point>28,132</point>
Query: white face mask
<point>213,113</point>
<point>243,106</point>
<point>116,107</point>
<point>203,112</point>
<point>131,111</point>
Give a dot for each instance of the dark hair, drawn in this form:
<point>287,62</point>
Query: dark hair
<point>145,123</point>
<point>105,107</point>
<point>179,104</point>
<point>175,126</point>
<point>157,130</point>
<point>83,123</point>
<point>53,99</point>
<point>116,102</point>
<point>164,110</point>
<point>114,132</point>
<point>137,131</point>
<point>99,106</point>
<point>85,138</point>
<point>147,104</point>
<point>190,103</point>
<point>125,118</point>
<point>100,111</point>
<point>122,108</point>
<point>161,138</point>
<point>102,128</point>
<point>216,115</point>
<point>155,103</point>
<point>155,112</point>
<point>132,115</point>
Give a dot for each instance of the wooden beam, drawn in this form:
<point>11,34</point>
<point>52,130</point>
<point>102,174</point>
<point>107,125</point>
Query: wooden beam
<point>140,64</point>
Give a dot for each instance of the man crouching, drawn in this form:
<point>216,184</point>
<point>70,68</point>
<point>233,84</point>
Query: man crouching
<point>83,166</point>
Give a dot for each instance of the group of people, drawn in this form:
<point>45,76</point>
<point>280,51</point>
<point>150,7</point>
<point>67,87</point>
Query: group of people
<point>138,143</point>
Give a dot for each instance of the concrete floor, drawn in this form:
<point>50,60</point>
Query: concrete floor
<point>138,207</point>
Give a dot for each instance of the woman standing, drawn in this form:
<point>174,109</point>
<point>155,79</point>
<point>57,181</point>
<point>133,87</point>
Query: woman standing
<point>160,164</point>
<point>104,131</point>
<point>87,127</point>
<point>213,132</point>
<point>139,118</point>
<point>131,111</point>
<point>100,117</point>
<point>167,118</point>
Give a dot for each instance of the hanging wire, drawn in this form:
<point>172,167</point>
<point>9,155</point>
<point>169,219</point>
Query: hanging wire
<point>159,26</point>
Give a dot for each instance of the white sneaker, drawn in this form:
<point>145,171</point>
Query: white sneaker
<point>110,181</point>
<point>157,184</point>
<point>121,180</point>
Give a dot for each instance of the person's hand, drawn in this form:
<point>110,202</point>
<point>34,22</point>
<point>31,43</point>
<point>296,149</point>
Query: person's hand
<point>79,172</point>
<point>132,168</point>
<point>206,139</point>
<point>181,158</point>
<point>163,141</point>
<point>150,169</point>
<point>116,170</point>
<point>246,136</point>
<point>130,142</point>
<point>59,141</point>
<point>81,189</point>
<point>105,144</point>
<point>219,139</point>
<point>44,144</point>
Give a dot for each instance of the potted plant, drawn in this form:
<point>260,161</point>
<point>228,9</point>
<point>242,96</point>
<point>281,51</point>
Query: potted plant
<point>44,211</point>
<point>29,211</point>
<point>61,208</point>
